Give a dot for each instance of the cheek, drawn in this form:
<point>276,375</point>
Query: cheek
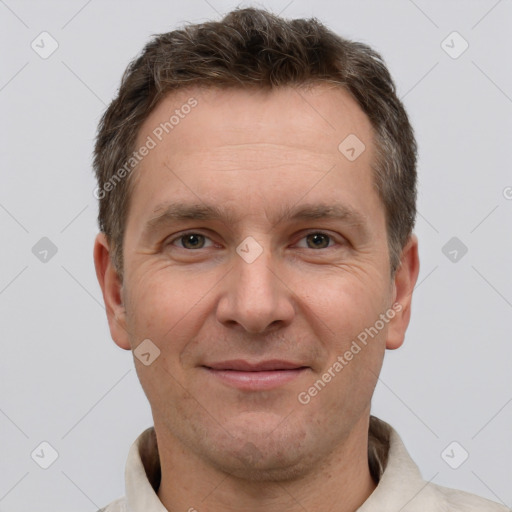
<point>349,311</point>
<point>158,306</point>
<point>169,314</point>
<point>351,304</point>
<point>171,309</point>
<point>354,346</point>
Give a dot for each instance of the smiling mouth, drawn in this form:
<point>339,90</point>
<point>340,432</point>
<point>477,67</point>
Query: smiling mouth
<point>255,376</point>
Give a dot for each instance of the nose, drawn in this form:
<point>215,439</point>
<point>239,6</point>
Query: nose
<point>255,297</point>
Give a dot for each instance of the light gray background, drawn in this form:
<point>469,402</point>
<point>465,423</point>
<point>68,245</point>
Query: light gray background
<point>65,382</point>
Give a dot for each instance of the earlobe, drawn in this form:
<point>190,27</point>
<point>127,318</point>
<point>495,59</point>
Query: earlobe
<point>111,288</point>
<point>404,283</point>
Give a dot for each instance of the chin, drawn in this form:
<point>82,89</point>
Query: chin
<point>264,456</point>
<point>255,465</point>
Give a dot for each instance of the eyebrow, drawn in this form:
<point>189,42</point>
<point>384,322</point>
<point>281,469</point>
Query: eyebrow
<point>169,213</point>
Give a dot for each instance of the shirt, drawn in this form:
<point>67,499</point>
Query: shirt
<point>400,485</point>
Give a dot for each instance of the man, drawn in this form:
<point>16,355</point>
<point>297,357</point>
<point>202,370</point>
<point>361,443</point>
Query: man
<point>257,190</point>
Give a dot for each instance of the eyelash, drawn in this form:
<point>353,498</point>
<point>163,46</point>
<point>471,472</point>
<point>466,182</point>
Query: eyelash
<point>182,235</point>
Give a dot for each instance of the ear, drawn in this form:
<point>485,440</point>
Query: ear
<point>403,286</point>
<point>111,287</point>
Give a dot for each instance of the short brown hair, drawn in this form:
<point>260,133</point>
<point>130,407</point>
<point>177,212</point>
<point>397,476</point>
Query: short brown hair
<point>252,47</point>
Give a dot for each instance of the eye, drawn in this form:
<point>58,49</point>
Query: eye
<point>316,240</point>
<point>191,241</point>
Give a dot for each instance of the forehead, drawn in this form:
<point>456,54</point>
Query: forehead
<point>217,144</point>
<point>315,119</point>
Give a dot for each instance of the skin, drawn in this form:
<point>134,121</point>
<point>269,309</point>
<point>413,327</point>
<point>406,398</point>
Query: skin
<point>304,299</point>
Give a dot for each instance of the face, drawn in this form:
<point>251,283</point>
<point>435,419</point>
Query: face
<point>256,259</point>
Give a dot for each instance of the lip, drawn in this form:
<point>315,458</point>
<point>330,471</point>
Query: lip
<point>255,376</point>
<point>245,366</point>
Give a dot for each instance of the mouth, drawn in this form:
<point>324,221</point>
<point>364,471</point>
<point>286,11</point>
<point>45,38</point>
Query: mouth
<point>262,375</point>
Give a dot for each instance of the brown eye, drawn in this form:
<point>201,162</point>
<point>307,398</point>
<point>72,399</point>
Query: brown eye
<point>318,240</point>
<point>192,241</point>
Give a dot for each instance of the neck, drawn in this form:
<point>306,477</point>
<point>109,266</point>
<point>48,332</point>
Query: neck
<point>342,482</point>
